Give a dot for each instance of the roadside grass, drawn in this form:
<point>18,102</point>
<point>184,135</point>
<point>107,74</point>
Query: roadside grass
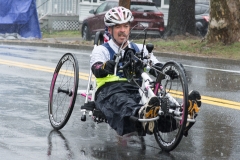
<point>197,47</point>
<point>189,45</point>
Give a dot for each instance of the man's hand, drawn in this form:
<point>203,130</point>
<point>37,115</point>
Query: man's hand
<point>101,69</point>
<point>109,66</point>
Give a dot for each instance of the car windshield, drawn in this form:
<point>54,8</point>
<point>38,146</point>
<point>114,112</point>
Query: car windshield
<point>201,9</point>
<point>143,7</point>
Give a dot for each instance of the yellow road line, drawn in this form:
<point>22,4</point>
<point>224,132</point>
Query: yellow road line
<point>216,101</point>
<point>213,101</point>
<point>41,68</point>
<point>205,99</point>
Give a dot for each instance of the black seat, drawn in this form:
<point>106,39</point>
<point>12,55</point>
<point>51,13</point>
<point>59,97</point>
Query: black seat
<point>98,40</point>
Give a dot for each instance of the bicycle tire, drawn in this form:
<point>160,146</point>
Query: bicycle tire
<point>169,130</point>
<point>63,91</point>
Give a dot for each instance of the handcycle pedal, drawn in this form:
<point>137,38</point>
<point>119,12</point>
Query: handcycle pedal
<point>89,106</point>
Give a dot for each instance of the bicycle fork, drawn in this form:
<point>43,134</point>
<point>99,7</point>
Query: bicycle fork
<point>89,95</point>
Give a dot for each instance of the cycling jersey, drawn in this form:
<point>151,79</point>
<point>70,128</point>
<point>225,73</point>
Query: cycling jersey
<point>111,51</point>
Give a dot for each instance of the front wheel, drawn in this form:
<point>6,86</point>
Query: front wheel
<point>63,91</point>
<point>170,127</point>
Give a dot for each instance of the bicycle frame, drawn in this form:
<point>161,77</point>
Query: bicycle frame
<point>89,93</point>
<point>146,91</point>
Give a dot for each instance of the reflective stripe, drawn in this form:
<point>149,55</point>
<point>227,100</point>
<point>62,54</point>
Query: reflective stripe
<point>108,78</point>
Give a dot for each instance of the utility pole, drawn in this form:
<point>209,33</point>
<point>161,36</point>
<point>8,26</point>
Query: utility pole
<point>124,3</point>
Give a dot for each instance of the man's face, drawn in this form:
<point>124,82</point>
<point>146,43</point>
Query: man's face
<point>120,32</point>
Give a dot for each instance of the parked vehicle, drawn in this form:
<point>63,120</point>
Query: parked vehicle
<point>202,18</point>
<point>145,13</point>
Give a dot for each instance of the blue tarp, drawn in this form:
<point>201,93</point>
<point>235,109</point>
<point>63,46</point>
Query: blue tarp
<point>19,16</point>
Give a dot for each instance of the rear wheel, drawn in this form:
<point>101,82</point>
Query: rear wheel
<point>63,91</point>
<point>170,127</point>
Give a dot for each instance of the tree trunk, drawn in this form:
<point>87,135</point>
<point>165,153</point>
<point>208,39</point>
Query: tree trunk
<point>224,25</point>
<point>181,17</point>
<point>124,3</point>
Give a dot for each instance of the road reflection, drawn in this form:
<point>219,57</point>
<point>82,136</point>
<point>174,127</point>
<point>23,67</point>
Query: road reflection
<point>129,146</point>
<point>122,149</point>
<point>56,141</point>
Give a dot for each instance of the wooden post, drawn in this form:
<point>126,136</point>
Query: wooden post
<point>124,3</point>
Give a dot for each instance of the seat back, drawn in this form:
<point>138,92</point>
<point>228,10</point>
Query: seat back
<point>98,40</point>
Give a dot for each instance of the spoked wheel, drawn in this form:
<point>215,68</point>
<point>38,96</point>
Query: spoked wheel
<point>63,91</point>
<point>170,126</point>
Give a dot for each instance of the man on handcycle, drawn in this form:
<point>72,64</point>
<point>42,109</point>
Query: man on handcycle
<point>117,98</point>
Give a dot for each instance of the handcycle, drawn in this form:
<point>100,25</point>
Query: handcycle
<point>172,91</point>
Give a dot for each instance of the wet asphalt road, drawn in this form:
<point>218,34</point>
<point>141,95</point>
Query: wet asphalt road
<point>25,131</point>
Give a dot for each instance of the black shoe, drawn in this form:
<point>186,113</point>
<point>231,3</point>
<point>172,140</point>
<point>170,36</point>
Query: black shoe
<point>150,109</point>
<point>195,96</point>
<point>194,101</point>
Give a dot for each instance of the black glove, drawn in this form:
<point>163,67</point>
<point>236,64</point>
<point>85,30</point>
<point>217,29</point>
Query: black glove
<point>109,66</point>
<point>158,66</point>
<point>101,70</point>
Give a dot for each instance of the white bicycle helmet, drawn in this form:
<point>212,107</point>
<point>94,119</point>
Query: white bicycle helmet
<point>118,15</point>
